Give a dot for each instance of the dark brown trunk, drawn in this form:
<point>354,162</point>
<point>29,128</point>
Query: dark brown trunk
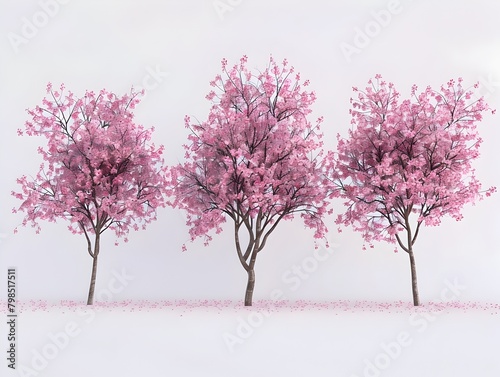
<point>250,286</point>
<point>90,299</point>
<point>414,287</point>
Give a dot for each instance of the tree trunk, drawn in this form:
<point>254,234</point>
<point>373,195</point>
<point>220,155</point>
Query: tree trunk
<point>90,299</point>
<point>416,299</point>
<point>250,286</point>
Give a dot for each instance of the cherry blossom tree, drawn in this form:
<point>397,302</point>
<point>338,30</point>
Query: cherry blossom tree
<point>256,160</point>
<point>100,171</point>
<point>408,163</point>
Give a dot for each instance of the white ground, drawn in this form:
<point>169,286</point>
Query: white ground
<point>270,339</point>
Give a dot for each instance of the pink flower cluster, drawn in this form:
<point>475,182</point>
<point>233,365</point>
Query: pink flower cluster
<point>410,157</point>
<point>99,168</point>
<point>257,156</point>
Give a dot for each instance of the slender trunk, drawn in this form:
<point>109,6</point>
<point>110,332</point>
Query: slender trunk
<point>416,299</point>
<point>409,249</point>
<point>251,251</point>
<point>250,286</point>
<point>90,299</point>
<point>251,274</point>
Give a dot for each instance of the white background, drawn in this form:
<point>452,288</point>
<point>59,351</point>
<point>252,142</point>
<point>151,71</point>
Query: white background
<point>117,44</point>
